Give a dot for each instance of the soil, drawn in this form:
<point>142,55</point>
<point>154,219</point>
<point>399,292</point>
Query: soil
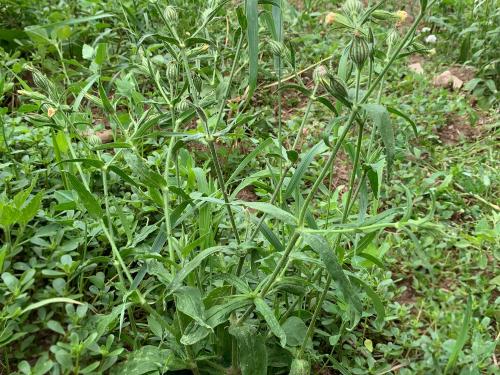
<point>458,128</point>
<point>408,296</point>
<point>247,194</point>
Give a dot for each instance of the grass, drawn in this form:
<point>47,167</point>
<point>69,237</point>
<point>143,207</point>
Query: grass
<point>265,205</point>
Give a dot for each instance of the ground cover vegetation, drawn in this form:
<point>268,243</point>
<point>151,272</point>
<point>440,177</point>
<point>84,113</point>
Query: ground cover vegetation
<point>249,187</point>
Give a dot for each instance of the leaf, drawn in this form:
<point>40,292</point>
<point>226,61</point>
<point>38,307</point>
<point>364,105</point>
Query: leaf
<point>188,301</point>
<point>104,98</point>
<point>271,210</point>
<point>29,210</point>
<point>302,168</point>
<point>49,301</point>
<point>380,116</point>
<point>87,52</point>
<point>377,302</point>
<point>462,336</point>
<point>191,266</point>
<point>89,201</point>
<point>55,326</point>
<point>271,320</point>
<point>252,14</point>
<point>321,246</point>
<point>101,53</point>
<point>250,157</point>
<point>403,115</point>
<point>252,350</point>
<point>295,330</point>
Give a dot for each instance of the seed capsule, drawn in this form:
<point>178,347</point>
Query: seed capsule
<point>359,51</point>
<point>300,367</point>
<point>338,87</point>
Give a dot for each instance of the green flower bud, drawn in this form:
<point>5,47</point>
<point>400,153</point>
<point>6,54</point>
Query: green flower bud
<point>198,82</point>
<point>171,72</point>
<point>183,105</point>
<point>352,7</point>
<point>320,74</point>
<point>359,51</point>
<point>300,367</point>
<point>338,87</point>
<point>384,15</point>
<point>170,14</point>
<point>277,48</point>
<point>94,140</point>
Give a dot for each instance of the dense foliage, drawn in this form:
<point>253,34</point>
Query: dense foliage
<point>254,187</point>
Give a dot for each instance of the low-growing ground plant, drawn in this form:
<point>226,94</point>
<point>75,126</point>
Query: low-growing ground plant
<point>165,220</point>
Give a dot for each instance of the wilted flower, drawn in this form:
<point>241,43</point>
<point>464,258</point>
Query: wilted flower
<point>330,18</point>
<point>402,15</point>
<point>426,29</point>
<point>431,39</point>
<point>51,112</point>
<point>319,74</point>
<point>432,51</point>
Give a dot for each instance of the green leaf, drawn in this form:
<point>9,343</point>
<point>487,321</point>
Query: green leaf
<point>29,211</point>
<point>377,302</point>
<point>101,53</point>
<point>271,210</point>
<point>104,98</point>
<point>404,116</point>
<point>252,14</point>
<point>327,254</point>
<point>380,116</point>
<point>302,168</point>
<point>250,157</point>
<point>462,336</point>
<point>89,201</point>
<point>191,266</point>
<point>56,327</point>
<point>188,301</point>
<point>295,330</point>
<point>49,301</point>
<point>271,320</point>
<point>252,350</point>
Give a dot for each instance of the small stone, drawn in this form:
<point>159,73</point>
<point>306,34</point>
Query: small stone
<point>448,80</point>
<point>417,68</point>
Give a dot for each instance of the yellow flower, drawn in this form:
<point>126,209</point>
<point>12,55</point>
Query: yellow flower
<point>402,15</point>
<point>51,112</point>
<point>330,18</point>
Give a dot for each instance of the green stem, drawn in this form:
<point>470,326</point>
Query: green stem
<point>354,111</point>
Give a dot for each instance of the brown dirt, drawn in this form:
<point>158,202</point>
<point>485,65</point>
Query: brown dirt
<point>247,194</point>
<point>458,128</point>
<point>408,296</point>
<point>341,172</point>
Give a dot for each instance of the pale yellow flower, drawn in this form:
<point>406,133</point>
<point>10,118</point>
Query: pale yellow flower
<point>330,18</point>
<point>51,112</point>
<point>402,15</point>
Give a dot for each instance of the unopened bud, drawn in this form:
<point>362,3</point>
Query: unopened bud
<point>170,14</point>
<point>384,15</point>
<point>352,7</point>
<point>320,74</point>
<point>183,105</point>
<point>94,140</point>
<point>171,72</point>
<point>359,51</point>
<point>300,367</point>
<point>277,48</point>
<point>198,82</point>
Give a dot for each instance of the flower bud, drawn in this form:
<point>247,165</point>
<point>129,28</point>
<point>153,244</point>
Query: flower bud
<point>338,87</point>
<point>171,72</point>
<point>170,14</point>
<point>320,74</point>
<point>198,82</point>
<point>94,140</point>
<point>300,367</point>
<point>183,105</point>
<point>352,7</point>
<point>277,48</point>
<point>359,51</point>
<point>384,15</point>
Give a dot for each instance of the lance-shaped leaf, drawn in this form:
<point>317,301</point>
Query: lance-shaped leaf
<point>271,320</point>
<point>380,116</point>
<point>188,301</point>
<point>252,350</point>
<point>320,245</point>
<point>89,201</point>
